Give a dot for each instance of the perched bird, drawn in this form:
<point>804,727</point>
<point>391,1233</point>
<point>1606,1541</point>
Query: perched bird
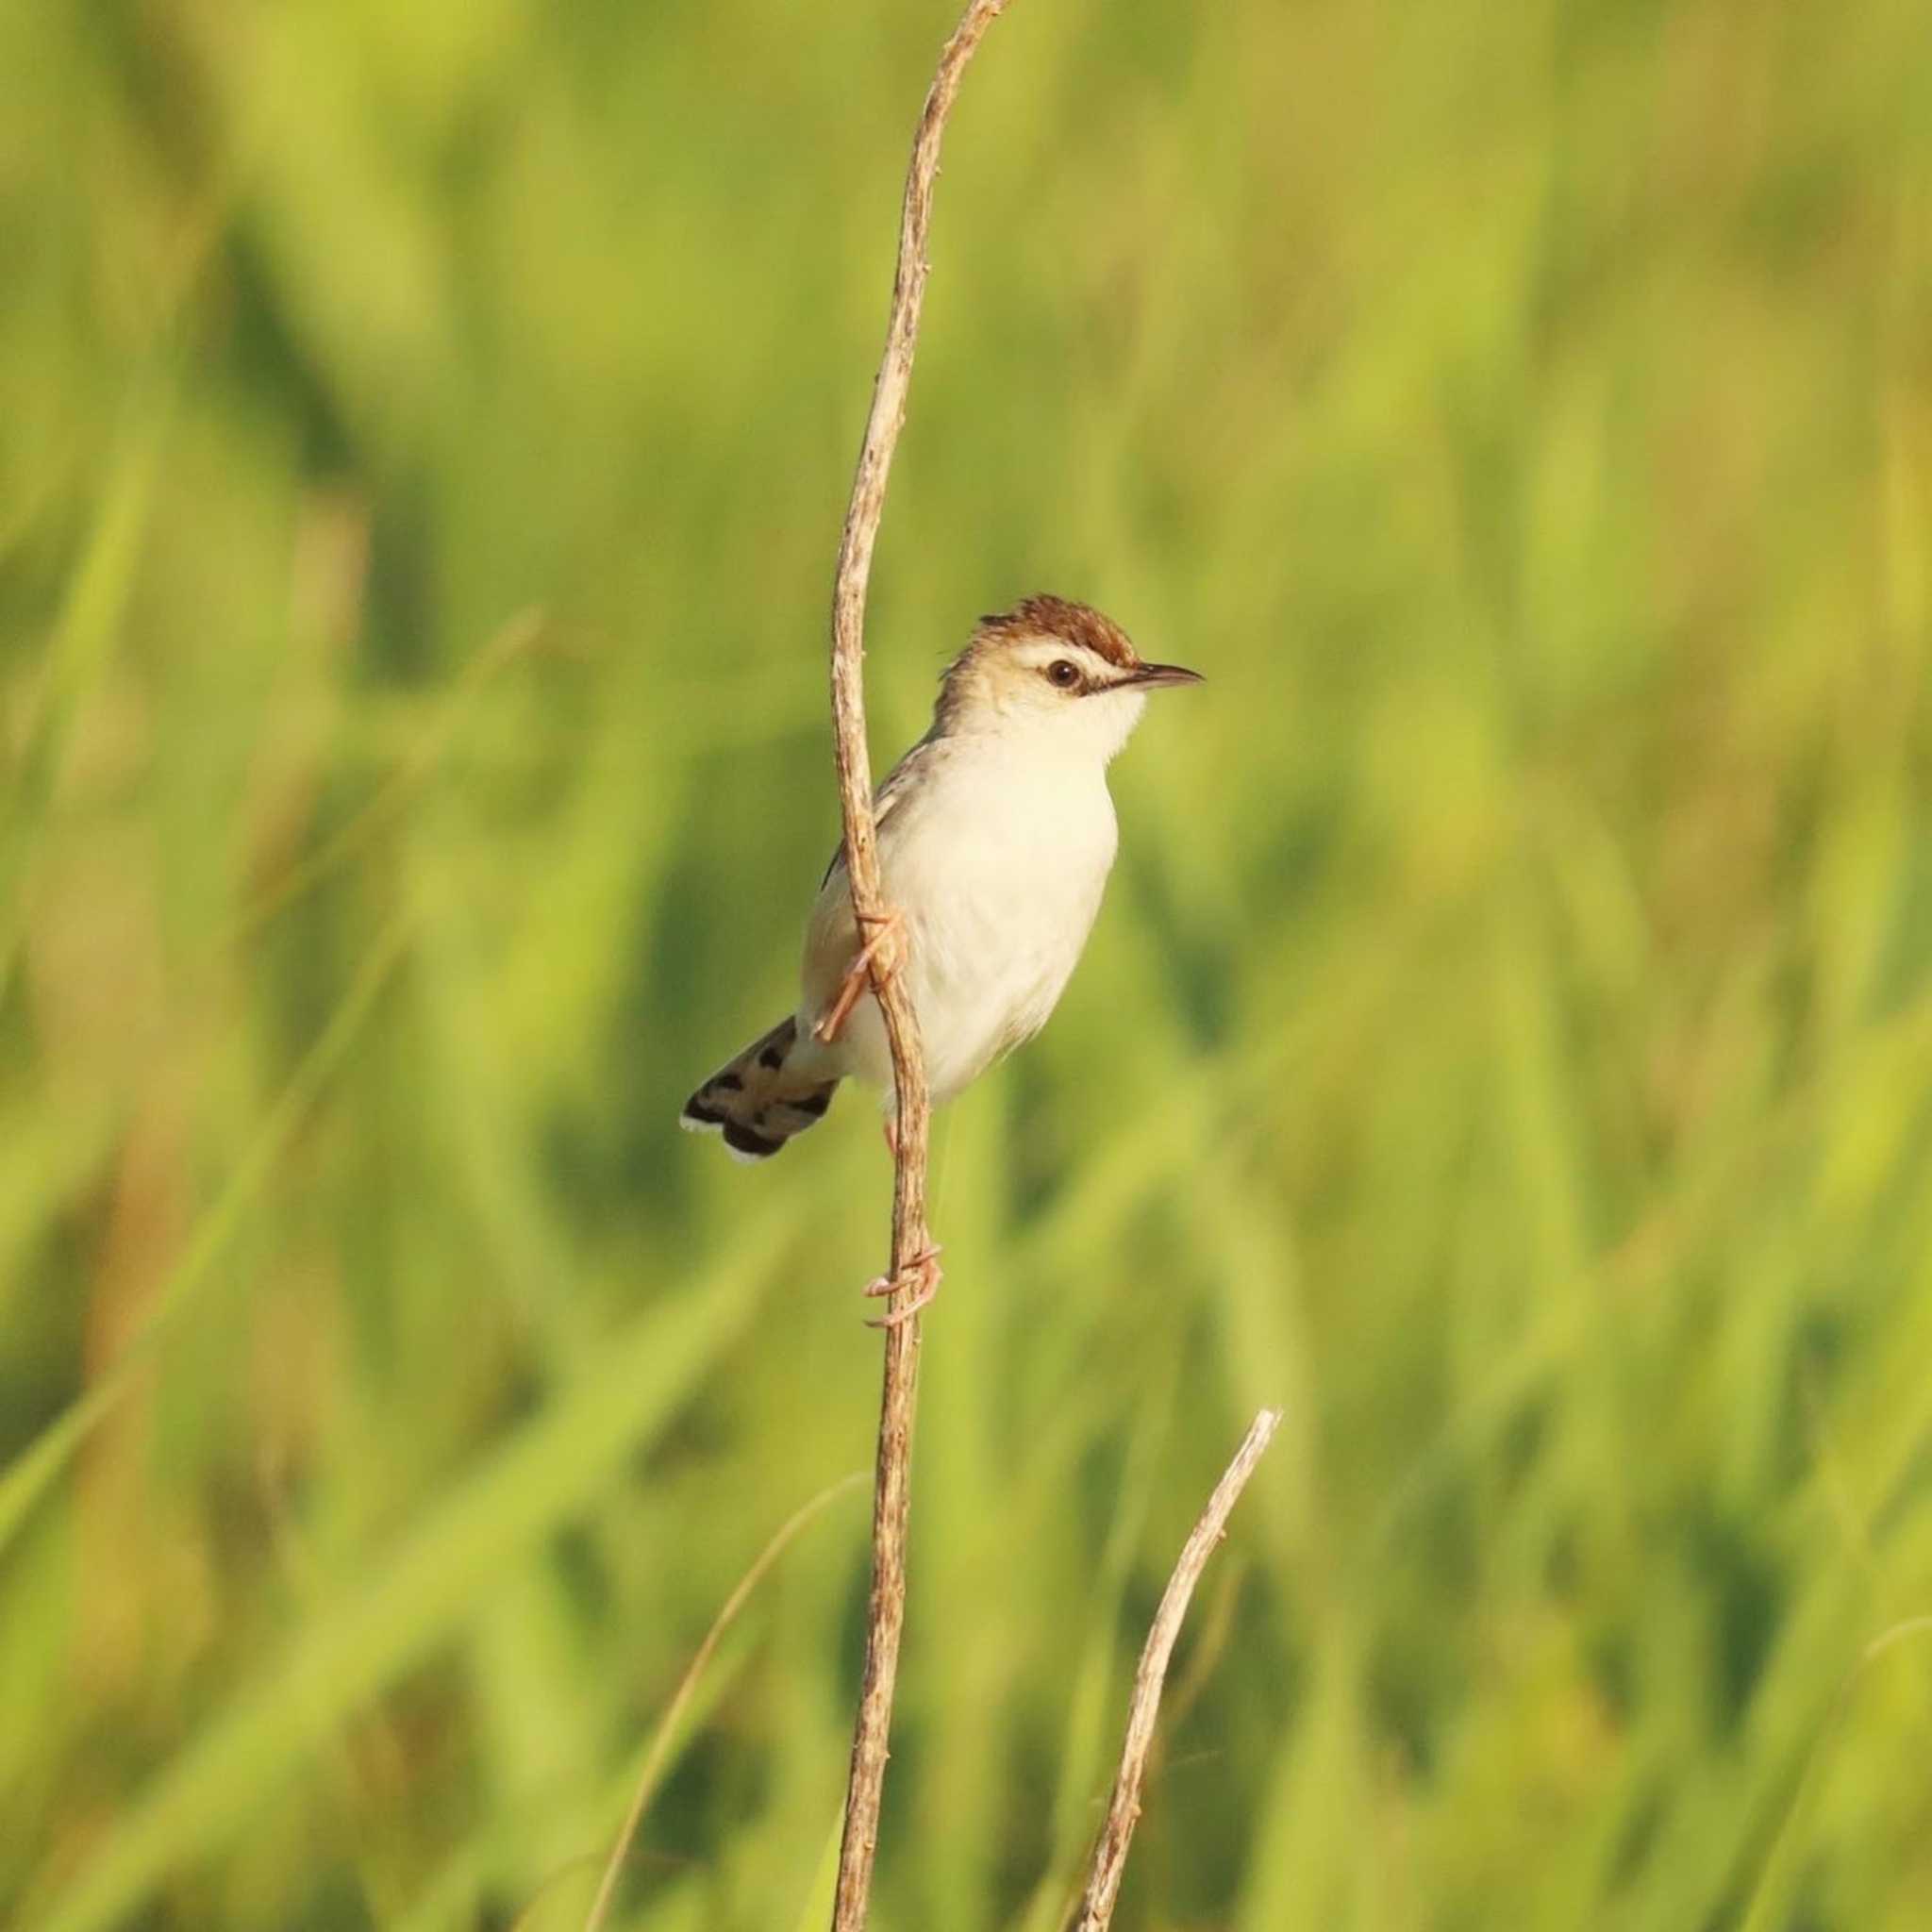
<point>995,836</point>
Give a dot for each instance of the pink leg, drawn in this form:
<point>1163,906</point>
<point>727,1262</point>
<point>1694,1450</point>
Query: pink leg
<point>922,1275</point>
<point>883,945</point>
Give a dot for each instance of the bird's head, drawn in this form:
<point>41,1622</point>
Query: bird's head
<point>1054,674</point>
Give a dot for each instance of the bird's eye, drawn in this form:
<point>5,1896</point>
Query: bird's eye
<point>1063,672</point>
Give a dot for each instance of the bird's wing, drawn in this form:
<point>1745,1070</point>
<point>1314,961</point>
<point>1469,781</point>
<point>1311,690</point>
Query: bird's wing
<point>892,789</point>
<point>831,938</point>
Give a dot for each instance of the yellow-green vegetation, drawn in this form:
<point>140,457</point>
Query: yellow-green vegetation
<point>423,432</point>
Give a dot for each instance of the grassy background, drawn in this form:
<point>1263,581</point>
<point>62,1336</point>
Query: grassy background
<point>1508,1040</point>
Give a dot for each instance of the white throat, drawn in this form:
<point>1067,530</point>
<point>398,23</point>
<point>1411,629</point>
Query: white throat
<point>1083,732</point>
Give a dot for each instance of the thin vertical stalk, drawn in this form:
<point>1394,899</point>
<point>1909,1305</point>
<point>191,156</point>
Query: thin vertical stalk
<point>886,1606</point>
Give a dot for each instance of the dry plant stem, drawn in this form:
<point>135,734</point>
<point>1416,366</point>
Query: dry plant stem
<point>886,1607</point>
<point>1124,1808</point>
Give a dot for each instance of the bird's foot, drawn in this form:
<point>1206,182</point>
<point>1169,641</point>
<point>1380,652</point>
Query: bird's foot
<point>921,1276</point>
<point>883,951</point>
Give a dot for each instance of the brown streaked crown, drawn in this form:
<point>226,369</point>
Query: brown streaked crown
<point>1059,617</point>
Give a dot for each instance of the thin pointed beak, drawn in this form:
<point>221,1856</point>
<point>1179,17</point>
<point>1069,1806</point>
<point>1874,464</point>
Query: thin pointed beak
<point>1151,676</point>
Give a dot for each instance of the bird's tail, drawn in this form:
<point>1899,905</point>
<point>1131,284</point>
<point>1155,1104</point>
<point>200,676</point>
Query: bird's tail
<point>775,1088</point>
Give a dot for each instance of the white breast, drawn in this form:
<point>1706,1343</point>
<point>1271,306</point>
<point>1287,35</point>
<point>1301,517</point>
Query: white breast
<point>997,861</point>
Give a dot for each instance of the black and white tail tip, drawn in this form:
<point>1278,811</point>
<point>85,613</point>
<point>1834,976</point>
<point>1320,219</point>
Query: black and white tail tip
<point>760,1098</point>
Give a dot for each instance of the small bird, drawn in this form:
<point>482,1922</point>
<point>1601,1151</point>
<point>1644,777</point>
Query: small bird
<point>995,838</point>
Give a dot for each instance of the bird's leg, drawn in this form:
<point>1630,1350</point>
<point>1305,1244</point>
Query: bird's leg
<point>922,1275</point>
<point>886,931</point>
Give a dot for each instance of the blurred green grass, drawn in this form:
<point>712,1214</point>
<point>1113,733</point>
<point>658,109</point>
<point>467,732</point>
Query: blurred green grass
<point>1509,1042</point>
